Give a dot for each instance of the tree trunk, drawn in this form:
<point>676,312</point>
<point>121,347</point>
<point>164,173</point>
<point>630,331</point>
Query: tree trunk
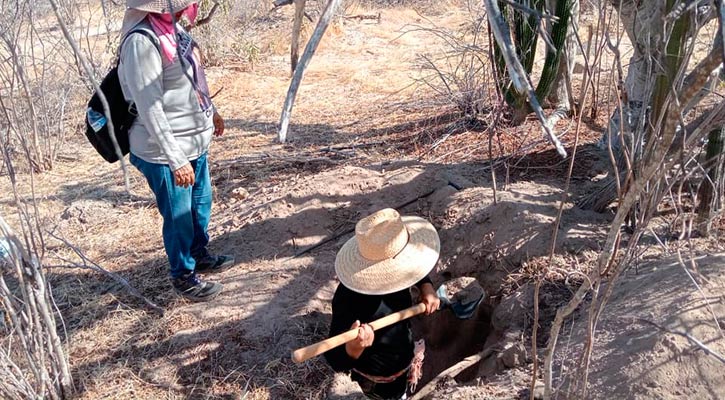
<point>642,22</point>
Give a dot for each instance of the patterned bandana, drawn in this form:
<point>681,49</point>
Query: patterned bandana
<point>176,41</point>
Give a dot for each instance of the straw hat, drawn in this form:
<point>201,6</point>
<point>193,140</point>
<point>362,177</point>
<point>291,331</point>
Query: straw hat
<point>388,253</point>
<point>137,10</point>
<point>158,6</point>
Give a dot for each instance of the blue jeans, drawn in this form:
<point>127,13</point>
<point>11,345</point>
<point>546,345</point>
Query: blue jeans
<point>185,211</point>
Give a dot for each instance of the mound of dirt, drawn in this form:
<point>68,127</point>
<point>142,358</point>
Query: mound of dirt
<point>633,359</point>
<point>488,239</point>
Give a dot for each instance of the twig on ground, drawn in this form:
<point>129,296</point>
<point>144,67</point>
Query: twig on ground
<point>93,266</point>
<point>452,372</point>
<point>689,337</point>
<point>302,158</point>
<point>362,17</point>
<point>699,289</point>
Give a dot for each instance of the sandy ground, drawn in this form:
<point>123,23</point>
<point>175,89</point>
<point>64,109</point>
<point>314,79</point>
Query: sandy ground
<point>635,359</point>
<point>361,140</point>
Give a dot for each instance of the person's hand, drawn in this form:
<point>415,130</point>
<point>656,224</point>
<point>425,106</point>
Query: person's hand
<point>218,124</point>
<point>429,298</point>
<point>365,337</point>
<point>184,176</point>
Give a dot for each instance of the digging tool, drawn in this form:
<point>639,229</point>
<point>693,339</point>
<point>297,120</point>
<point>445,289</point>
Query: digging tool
<point>461,295</point>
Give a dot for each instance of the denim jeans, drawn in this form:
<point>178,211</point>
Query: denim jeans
<point>185,212</point>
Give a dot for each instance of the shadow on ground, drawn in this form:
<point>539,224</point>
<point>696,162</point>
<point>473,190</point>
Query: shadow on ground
<point>277,297</point>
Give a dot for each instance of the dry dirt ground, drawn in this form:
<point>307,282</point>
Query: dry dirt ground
<point>361,140</point>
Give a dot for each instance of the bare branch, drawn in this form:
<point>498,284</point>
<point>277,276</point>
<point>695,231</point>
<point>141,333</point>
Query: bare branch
<point>519,77</point>
<point>296,28</point>
<point>689,337</point>
<point>89,71</point>
<point>310,49</point>
<point>93,266</point>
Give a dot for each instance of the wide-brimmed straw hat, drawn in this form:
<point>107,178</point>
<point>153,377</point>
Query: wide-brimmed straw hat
<point>388,253</point>
<point>159,6</point>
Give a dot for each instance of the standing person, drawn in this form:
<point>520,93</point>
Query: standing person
<point>161,74</point>
<point>376,268</point>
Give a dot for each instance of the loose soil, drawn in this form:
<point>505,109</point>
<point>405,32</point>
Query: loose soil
<point>361,139</point>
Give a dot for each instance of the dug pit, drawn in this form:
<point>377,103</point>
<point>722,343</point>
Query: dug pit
<point>449,340</point>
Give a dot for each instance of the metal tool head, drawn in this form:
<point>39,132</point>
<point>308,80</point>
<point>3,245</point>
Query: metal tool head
<point>462,296</point>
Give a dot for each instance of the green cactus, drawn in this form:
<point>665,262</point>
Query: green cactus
<point>502,76</point>
<point>553,58</point>
<point>526,40</point>
<point>671,61</point>
<point>526,36</point>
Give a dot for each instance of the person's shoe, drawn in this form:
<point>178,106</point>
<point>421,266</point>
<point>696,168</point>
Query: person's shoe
<point>193,288</point>
<point>213,263</point>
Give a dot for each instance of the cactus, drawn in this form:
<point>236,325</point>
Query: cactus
<point>526,40</point>
<point>713,154</point>
<point>558,38</point>
<point>502,76</point>
<point>526,36</point>
<point>671,61</point>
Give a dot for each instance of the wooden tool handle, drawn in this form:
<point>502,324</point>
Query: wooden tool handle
<point>320,347</point>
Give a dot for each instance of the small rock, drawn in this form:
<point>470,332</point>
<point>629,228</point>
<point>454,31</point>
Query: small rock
<point>513,354</point>
<point>539,390</point>
<point>344,388</point>
<point>240,193</point>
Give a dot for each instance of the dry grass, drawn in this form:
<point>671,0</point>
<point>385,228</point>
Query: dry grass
<point>120,349</point>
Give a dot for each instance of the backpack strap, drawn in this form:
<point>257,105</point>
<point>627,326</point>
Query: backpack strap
<point>143,31</point>
<point>154,39</point>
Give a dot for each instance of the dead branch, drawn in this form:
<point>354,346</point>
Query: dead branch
<point>651,172</point>
<point>452,372</point>
<point>552,249</point>
<point>310,49</point>
<point>689,337</point>
<point>296,29</point>
<point>89,71</point>
<point>93,266</point>
<point>302,158</point>
<point>721,21</point>
<point>534,334</point>
<point>33,320</point>
<point>363,17</point>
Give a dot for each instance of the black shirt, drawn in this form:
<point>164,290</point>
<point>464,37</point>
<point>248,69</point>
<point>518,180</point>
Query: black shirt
<point>392,349</point>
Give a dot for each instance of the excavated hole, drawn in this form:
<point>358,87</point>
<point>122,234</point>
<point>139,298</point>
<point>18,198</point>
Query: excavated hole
<point>449,340</point>
<point>498,323</point>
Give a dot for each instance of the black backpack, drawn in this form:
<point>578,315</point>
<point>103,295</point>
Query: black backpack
<point>123,113</point>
